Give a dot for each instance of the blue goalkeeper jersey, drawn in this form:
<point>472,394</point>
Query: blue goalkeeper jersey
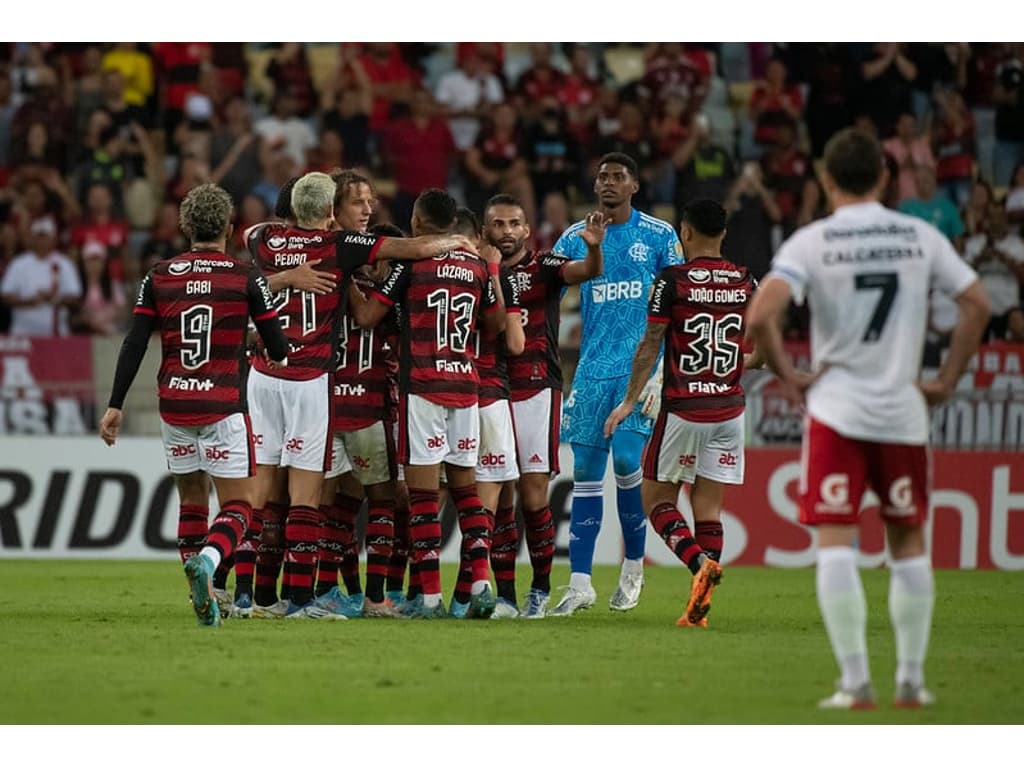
<point>613,307</point>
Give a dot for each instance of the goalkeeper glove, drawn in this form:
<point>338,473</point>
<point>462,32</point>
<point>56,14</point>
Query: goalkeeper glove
<point>650,395</point>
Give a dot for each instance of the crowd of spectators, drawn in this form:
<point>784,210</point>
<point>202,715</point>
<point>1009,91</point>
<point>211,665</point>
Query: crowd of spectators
<point>100,142</point>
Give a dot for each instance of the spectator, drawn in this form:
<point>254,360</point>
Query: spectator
<point>631,139</point>
<point>328,154</point>
<point>979,93</point>
<point>288,70</point>
<point>998,257</point>
<point>934,207</point>
<point>671,69</point>
<point>41,285</point>
<point>774,101</point>
<point>788,174</point>
<point>103,308</point>
<point>703,169</point>
<point>669,130</point>
<point>607,122</point>
<point>136,68</point>
<point>1009,147</point>
<point>579,96</point>
<point>107,166</point>
<point>392,81</point>
<point>555,212</point>
<point>910,149</point>
<point>234,151</point>
<point>468,94</point>
<point>43,196</point>
<point>831,80</point>
<point>1015,198</point>
<point>552,153</point>
<point>420,151</point>
<point>193,170</point>
<point>540,81</point>
<point>165,240</point>
<point>497,163</point>
<point>975,212</point>
<point>179,66</point>
<point>277,166</point>
<point>34,154</point>
<point>85,90</point>
<point>888,77</point>
<point>346,103</point>
<point>753,213</point>
<point>253,210</point>
<point>285,130</point>
<point>101,227</point>
<point>953,142</point>
<point>491,54</point>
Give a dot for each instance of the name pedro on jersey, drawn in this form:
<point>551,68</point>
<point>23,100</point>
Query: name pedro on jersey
<point>718,295</point>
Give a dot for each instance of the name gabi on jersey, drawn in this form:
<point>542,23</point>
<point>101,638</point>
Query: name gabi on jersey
<point>446,366</point>
<point>861,255</point>
<point>289,259</point>
<point>193,287</point>
<point>718,295</point>
<point>624,289</point>
<point>190,384</point>
<point>456,273</point>
<point>347,390</point>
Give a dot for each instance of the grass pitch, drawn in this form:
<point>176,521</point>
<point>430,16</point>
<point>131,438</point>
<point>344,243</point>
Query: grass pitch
<point>117,642</point>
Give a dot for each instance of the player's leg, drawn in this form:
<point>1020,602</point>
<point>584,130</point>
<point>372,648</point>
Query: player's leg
<point>901,478</point>
<point>537,425</point>
<point>832,480</point>
<point>269,547</point>
<point>181,449</point>
<point>627,448</point>
<point>347,503</point>
<point>505,550</point>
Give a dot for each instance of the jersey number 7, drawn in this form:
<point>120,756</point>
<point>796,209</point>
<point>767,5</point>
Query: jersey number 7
<point>886,282</point>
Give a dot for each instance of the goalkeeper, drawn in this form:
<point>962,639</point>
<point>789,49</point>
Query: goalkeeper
<point>613,307</point>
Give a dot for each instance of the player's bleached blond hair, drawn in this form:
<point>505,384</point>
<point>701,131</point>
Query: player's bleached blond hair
<point>205,213</point>
<point>313,199</point>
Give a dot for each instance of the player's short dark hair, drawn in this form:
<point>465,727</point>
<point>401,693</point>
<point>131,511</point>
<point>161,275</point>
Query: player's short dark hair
<point>620,158</point>
<point>466,222</point>
<point>502,199</point>
<point>387,229</point>
<point>205,213</point>
<point>707,216</point>
<point>437,207</point>
<point>853,159</point>
<point>283,204</point>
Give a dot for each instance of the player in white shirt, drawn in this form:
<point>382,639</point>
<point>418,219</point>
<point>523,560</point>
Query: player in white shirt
<point>866,273</point>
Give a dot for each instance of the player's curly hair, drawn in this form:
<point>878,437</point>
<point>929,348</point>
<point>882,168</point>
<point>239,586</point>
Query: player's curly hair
<point>205,213</point>
<point>346,179</point>
<point>313,198</point>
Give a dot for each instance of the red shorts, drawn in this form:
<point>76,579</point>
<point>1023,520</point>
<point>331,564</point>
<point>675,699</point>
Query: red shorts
<point>836,470</point>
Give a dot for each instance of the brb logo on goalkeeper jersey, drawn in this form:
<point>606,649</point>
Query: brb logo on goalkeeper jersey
<point>624,289</point>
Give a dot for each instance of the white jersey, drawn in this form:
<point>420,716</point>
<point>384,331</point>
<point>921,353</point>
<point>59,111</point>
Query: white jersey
<point>866,273</point>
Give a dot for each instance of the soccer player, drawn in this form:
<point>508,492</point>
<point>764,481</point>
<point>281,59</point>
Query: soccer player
<point>613,309</point>
<point>535,386</point>
<point>496,466</point>
<point>439,304</point>
<point>200,302</point>
<point>697,309</point>
<point>865,273</point>
<point>291,405</point>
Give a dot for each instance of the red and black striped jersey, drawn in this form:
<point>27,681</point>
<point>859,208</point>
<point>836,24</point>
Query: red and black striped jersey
<point>539,277</point>
<point>202,301</point>
<point>490,353</point>
<point>311,323</point>
<point>437,304</point>
<point>360,390</point>
<point>704,301</point>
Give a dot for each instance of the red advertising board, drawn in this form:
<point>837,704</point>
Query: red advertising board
<point>46,385</point>
<point>976,519</point>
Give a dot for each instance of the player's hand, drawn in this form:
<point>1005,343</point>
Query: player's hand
<point>463,243</point>
<point>110,425</point>
<point>274,364</point>
<point>616,417</point>
<point>596,225</point>
<point>490,254</point>
<point>794,388</point>
<point>935,391</point>
<point>650,397</point>
<point>305,278</point>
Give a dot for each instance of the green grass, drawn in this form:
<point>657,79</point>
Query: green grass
<point>116,642</point>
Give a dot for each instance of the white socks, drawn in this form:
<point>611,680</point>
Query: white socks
<point>431,601</point>
<point>478,587</point>
<point>214,554</point>
<point>844,609</point>
<point>911,597</point>
<point>579,581</point>
<point>632,566</point>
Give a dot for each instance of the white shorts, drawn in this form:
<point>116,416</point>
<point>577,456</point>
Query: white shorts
<point>366,453</point>
<point>429,433</point>
<point>291,421</point>
<point>497,460</point>
<point>680,450</point>
<point>222,449</point>
<point>537,428</point>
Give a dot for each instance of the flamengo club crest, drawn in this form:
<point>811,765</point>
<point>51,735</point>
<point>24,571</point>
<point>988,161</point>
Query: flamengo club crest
<point>638,251</point>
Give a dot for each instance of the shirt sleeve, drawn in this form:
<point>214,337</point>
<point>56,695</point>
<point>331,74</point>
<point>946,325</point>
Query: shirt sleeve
<point>552,269</point>
<point>488,297</point>
<point>569,245</point>
<point>356,249</point>
<point>672,253</point>
<point>394,287</point>
<point>659,306</point>
<point>790,264</point>
<point>950,274</point>
<point>145,301</point>
<point>509,290</point>
<point>261,298</point>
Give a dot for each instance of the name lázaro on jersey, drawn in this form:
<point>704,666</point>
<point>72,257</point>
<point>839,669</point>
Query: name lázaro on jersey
<point>448,366</point>
<point>862,255</point>
<point>290,259</point>
<point>908,233</point>
<point>452,272</point>
<point>718,295</point>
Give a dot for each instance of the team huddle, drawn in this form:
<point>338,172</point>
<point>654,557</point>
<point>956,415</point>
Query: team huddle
<point>392,370</point>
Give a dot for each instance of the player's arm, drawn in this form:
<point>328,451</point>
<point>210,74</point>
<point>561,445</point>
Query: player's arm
<point>592,264</point>
<point>493,317</point>
<point>304,278</point>
<point>973,317</point>
<point>515,335</point>
<point>264,317</point>
<point>133,350</point>
<point>764,326</point>
<point>423,247</point>
<point>643,364</point>
<point>371,307</point>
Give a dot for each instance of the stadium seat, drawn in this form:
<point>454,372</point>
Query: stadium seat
<point>323,62</point>
<point>626,64</point>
